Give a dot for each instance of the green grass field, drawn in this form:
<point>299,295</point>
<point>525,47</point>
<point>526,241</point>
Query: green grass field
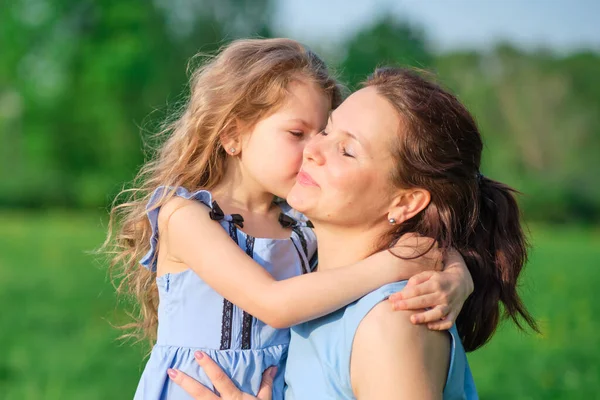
<point>56,341</point>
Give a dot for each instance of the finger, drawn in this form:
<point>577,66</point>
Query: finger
<point>433,315</point>
<point>219,379</point>
<point>443,325</point>
<point>417,303</point>
<point>450,317</point>
<point>412,289</point>
<point>190,385</point>
<point>265,392</point>
<point>421,289</point>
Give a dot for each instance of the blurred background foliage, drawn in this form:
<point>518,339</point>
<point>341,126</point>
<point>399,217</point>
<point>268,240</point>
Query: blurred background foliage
<point>84,83</point>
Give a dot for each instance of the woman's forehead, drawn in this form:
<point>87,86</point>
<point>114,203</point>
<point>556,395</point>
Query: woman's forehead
<point>368,115</point>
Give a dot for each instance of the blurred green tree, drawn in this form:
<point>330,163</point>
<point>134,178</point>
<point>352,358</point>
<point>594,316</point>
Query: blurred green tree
<point>387,41</point>
<point>540,125</point>
<point>78,80</point>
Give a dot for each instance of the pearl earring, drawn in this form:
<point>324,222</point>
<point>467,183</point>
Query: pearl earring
<point>392,221</point>
<point>232,150</point>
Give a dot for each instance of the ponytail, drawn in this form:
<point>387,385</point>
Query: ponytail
<point>495,251</point>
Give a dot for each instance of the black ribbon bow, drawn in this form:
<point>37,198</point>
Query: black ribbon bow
<point>286,221</point>
<point>217,214</point>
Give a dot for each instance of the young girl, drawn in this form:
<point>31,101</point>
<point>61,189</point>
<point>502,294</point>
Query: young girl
<point>240,141</point>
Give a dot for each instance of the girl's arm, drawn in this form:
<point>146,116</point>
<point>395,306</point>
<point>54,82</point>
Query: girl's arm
<point>393,359</point>
<point>203,245</point>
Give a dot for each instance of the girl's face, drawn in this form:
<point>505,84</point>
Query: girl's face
<point>272,152</point>
<point>345,178</point>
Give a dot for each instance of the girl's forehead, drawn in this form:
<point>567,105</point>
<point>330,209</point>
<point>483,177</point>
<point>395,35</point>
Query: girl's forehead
<point>304,101</point>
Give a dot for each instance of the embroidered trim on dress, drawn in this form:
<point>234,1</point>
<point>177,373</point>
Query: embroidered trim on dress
<point>227,319</point>
<point>305,269</point>
<point>248,319</point>
<point>302,239</point>
<point>314,261</point>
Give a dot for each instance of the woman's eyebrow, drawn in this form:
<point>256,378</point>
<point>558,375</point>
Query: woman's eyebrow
<point>348,133</point>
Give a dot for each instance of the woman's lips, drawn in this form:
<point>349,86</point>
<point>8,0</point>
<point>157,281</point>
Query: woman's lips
<point>305,179</point>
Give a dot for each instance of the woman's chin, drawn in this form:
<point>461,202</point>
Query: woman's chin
<point>299,199</point>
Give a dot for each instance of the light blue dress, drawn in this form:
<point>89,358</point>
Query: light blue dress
<point>319,355</point>
<point>192,316</point>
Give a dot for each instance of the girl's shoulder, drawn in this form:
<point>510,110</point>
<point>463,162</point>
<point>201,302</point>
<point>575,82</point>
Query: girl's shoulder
<point>162,194</point>
<point>169,199</point>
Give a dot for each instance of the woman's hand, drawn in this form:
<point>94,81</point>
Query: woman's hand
<point>440,294</point>
<point>221,382</point>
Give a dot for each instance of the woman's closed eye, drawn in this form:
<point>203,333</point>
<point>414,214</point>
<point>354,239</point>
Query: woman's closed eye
<point>298,134</point>
<point>345,152</point>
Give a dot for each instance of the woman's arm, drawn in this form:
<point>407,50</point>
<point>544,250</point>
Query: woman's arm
<point>203,245</point>
<point>394,359</point>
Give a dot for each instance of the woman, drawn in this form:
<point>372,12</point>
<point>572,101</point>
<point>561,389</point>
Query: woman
<point>400,155</point>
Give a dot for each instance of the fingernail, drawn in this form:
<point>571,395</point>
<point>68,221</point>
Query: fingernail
<point>172,373</point>
<point>199,355</point>
<point>400,305</point>
<point>414,319</point>
<point>273,372</point>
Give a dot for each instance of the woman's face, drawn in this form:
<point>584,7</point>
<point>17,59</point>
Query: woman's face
<point>345,177</point>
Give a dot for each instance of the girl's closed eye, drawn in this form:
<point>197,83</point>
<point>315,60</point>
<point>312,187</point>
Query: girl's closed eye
<point>323,133</point>
<point>297,134</point>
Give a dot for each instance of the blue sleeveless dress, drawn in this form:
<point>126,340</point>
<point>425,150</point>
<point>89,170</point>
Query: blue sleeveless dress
<point>319,355</point>
<point>192,316</point>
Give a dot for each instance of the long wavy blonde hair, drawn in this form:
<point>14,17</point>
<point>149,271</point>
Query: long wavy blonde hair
<point>243,83</point>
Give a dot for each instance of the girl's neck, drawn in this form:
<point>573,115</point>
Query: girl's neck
<point>240,194</point>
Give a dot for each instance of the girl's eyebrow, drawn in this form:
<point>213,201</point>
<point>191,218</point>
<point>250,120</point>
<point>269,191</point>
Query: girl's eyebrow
<point>300,121</point>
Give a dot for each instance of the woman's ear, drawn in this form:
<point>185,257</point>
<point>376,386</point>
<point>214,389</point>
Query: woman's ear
<point>407,204</point>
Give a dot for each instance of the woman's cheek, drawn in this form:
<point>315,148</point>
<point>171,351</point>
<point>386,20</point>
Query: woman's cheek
<point>343,177</point>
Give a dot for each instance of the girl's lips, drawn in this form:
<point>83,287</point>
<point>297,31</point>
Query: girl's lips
<point>305,179</point>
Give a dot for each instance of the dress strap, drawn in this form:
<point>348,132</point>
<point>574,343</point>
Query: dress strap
<point>153,208</point>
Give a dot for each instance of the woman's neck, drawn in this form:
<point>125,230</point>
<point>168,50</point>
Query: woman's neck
<point>343,246</point>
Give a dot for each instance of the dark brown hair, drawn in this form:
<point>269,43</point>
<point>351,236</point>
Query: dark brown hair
<point>439,149</point>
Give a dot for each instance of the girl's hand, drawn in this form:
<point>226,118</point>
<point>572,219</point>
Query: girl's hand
<point>221,382</point>
<point>440,294</point>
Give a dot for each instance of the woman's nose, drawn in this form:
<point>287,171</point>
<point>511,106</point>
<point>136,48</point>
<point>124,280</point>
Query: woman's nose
<point>313,150</point>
